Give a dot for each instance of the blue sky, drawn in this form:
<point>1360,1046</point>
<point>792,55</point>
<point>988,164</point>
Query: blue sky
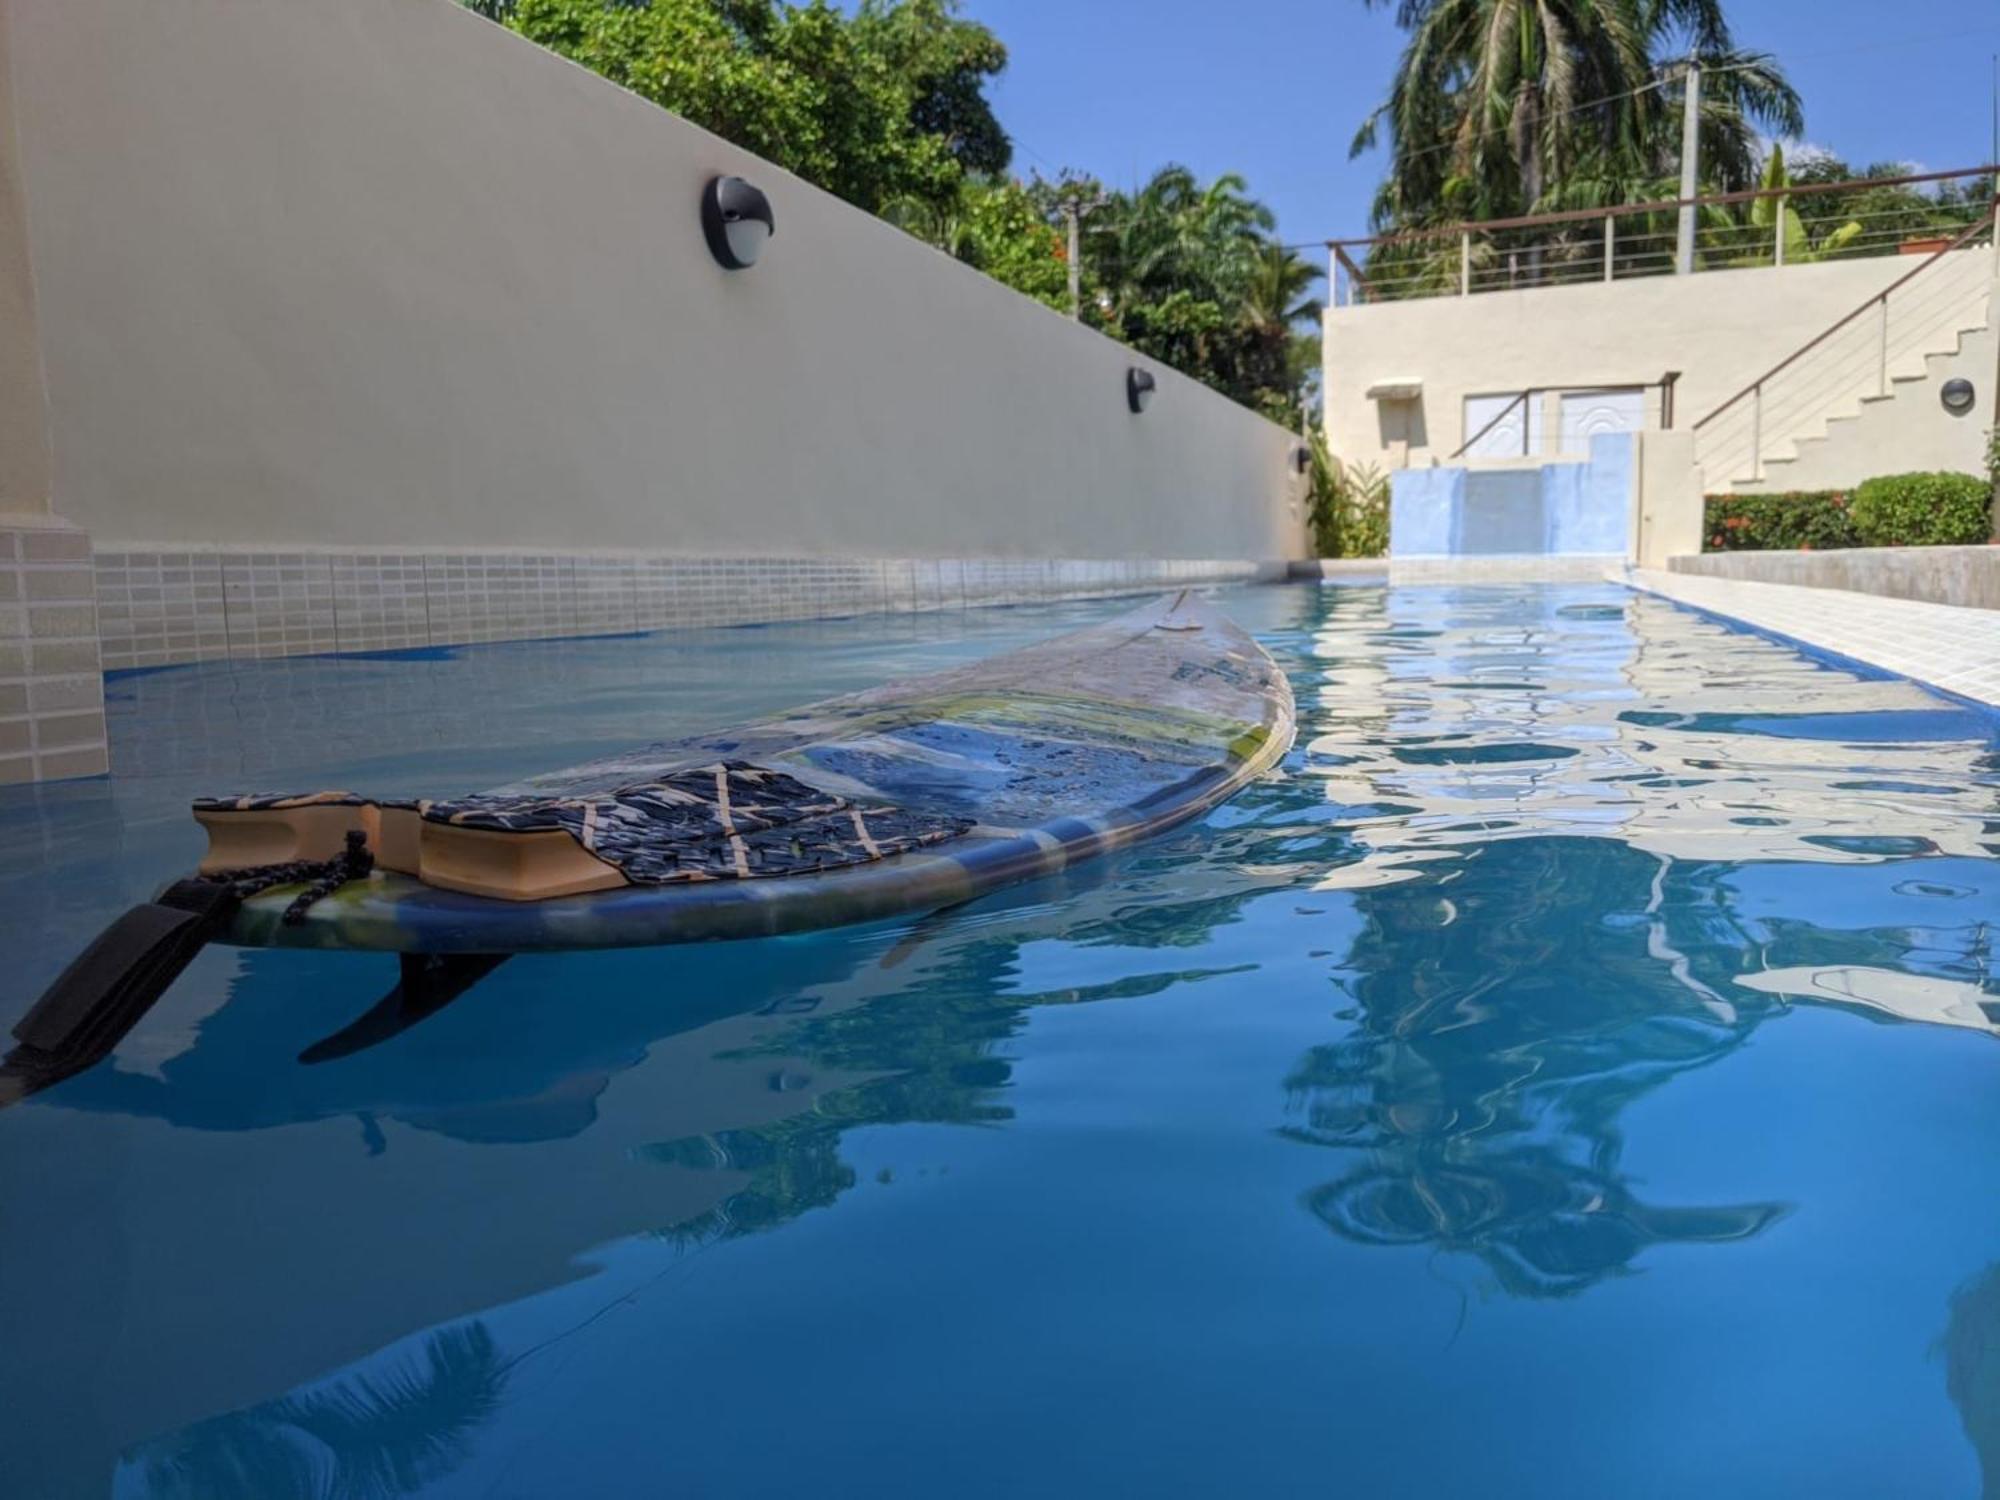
<point>1275,88</point>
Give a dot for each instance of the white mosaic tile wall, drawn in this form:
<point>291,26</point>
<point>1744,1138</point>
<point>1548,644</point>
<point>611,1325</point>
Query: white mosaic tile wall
<point>159,608</point>
<point>51,691</point>
<point>381,601</point>
<point>1500,568</point>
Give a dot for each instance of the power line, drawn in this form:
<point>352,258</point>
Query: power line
<point>1576,109</point>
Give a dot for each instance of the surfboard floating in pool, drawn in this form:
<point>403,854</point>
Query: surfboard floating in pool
<point>913,796</point>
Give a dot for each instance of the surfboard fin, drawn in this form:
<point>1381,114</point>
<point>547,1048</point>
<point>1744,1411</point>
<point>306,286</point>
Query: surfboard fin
<point>429,982</point>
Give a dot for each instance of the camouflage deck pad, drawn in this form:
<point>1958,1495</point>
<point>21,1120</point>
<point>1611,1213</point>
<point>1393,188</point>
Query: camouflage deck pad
<point>727,821</point>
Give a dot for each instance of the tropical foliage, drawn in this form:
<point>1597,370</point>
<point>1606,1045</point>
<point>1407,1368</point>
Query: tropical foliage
<point>1887,210</point>
<point>881,106</point>
<point>997,225</point>
<point>1347,504</point>
<point>1506,107</point>
<point>1192,273</point>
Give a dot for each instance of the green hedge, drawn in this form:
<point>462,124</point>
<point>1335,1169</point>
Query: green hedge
<point>1812,520</point>
<point>1923,510</point>
<point>1896,510</point>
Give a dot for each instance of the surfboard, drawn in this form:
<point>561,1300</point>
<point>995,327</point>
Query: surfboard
<point>916,795</point>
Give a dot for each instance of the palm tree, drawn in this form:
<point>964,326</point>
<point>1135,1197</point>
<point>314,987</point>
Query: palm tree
<point>1503,107</point>
<point>1191,273</point>
<point>1173,263</point>
<point>1278,313</point>
<point>943,225</point>
<point>1494,97</point>
<point>1275,297</point>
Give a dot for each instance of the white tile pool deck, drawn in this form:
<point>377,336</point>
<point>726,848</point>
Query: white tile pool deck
<point>1943,646</point>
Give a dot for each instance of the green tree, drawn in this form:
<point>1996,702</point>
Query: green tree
<point>1503,107</point>
<point>1192,274</point>
<point>880,106</point>
<point>1887,211</point>
<point>997,226</point>
<point>1277,308</point>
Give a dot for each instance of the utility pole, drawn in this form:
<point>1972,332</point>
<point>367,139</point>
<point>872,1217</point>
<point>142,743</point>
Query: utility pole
<point>1073,214</point>
<point>1073,209</point>
<point>1690,168</point>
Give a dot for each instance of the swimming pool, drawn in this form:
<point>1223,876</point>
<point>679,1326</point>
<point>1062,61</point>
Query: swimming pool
<point>1572,1076</point>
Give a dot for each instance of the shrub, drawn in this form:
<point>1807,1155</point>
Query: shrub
<point>1350,505</point>
<point>1809,520</point>
<point>1923,510</point>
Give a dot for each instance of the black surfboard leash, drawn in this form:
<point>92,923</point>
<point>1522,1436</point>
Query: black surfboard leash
<point>108,988</point>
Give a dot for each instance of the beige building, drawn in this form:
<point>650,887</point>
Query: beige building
<point>1796,376</point>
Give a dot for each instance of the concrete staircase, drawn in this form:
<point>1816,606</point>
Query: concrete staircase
<point>1864,400</point>
<point>1896,432</point>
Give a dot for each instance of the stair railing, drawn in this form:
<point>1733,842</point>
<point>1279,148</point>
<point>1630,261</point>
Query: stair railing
<point>1854,353</point>
<point>1526,400</point>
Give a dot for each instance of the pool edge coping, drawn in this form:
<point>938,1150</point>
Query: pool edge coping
<point>1881,636</point>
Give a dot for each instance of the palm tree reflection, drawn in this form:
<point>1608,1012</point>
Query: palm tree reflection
<point>1971,1350</point>
<point>1501,1032</point>
<point>373,1434</point>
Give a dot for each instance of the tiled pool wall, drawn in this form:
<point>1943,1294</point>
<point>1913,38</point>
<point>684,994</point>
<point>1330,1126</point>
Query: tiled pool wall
<point>1527,567</point>
<point>159,607</point>
<point>69,613</point>
<point>51,688</point>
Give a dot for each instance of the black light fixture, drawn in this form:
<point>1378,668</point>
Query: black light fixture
<point>1302,457</point>
<point>1957,396</point>
<point>736,217</point>
<point>1138,388</point>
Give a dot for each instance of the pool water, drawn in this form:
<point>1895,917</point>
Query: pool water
<point>1572,1075</point>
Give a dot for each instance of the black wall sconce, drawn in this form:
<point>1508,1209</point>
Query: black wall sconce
<point>1138,388</point>
<point>736,217</point>
<point>1957,396</point>
<point>1302,458</point>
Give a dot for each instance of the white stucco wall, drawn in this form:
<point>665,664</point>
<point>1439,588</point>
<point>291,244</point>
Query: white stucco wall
<point>24,438</point>
<point>1720,329</point>
<point>377,273</point>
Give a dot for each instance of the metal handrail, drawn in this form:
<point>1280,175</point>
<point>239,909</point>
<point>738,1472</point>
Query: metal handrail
<point>1499,417</point>
<point>1881,297</point>
<point>1665,384</point>
<point>1662,205</point>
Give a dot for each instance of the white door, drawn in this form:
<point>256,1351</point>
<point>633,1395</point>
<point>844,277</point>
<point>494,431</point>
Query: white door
<point>1586,414</point>
<point>1494,425</point>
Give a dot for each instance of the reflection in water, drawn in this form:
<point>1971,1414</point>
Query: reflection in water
<point>1971,1350</point>
<point>1907,997</point>
<point>1538,855</point>
<point>1574,946</point>
<point>371,1435</point>
<point>1550,879</point>
<point>1501,1032</point>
